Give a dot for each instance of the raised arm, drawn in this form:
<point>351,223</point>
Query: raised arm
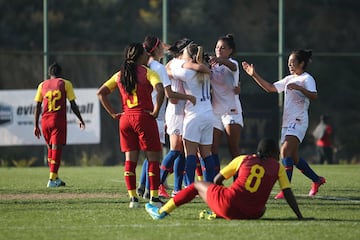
<point>250,70</point>
<point>197,67</point>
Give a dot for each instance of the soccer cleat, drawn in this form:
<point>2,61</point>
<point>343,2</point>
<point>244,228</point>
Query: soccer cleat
<point>155,201</point>
<point>153,211</point>
<point>140,190</point>
<point>51,184</point>
<point>315,186</point>
<point>146,194</point>
<point>173,193</point>
<point>60,182</point>
<point>280,195</point>
<point>162,191</point>
<point>205,214</point>
<point>134,202</point>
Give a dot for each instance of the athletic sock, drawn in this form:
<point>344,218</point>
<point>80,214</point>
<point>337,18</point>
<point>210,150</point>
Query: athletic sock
<point>217,163</point>
<point>167,164</point>
<point>190,166</point>
<point>53,176</point>
<point>304,167</point>
<point>130,176</point>
<point>144,170</point>
<point>199,169</point>
<point>209,168</point>
<point>185,195</point>
<point>168,207</point>
<point>288,163</point>
<point>56,157</point>
<point>179,166</point>
<point>154,178</point>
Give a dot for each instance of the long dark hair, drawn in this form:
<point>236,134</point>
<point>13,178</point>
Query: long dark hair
<point>128,70</point>
<point>229,40</point>
<point>151,43</point>
<point>303,56</point>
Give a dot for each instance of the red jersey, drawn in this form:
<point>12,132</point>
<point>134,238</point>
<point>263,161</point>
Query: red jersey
<point>140,98</point>
<point>53,93</point>
<point>325,141</point>
<point>138,129</point>
<point>247,196</point>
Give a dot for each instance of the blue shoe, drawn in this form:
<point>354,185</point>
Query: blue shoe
<point>60,182</point>
<point>51,184</point>
<point>153,211</point>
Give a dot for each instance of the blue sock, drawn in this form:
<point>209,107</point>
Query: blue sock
<point>209,169</point>
<point>190,166</point>
<point>304,167</point>
<point>179,167</point>
<point>288,163</point>
<point>143,172</point>
<point>167,163</point>
<point>217,163</point>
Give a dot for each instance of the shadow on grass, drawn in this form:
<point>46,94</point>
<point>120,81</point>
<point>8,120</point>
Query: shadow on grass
<point>310,219</point>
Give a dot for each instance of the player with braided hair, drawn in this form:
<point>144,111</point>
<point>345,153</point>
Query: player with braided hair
<point>137,124</point>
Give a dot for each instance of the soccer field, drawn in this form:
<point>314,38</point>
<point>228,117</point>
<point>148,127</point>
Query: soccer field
<point>94,205</point>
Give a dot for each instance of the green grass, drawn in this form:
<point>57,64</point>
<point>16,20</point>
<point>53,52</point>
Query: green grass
<point>94,205</point>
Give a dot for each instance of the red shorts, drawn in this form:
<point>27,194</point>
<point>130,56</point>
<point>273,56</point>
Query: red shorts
<point>54,130</point>
<point>139,131</point>
<point>225,203</point>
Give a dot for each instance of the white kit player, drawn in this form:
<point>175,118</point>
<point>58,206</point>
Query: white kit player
<point>198,120</point>
<point>226,104</point>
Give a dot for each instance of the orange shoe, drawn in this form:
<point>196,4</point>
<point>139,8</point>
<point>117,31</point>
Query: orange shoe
<point>162,192</point>
<point>280,195</point>
<point>315,186</point>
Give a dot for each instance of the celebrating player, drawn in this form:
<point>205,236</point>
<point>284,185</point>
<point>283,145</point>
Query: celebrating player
<point>299,88</point>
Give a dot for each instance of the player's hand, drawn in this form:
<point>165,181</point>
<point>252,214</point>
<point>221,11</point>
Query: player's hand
<point>192,99</point>
<point>37,132</point>
<point>82,125</point>
<point>248,68</point>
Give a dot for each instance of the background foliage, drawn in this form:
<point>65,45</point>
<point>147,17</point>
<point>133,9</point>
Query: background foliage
<point>88,36</point>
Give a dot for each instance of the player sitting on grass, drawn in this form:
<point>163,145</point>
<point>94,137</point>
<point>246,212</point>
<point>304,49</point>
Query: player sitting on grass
<point>247,196</point>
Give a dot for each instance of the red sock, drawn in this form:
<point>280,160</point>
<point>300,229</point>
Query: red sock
<point>185,195</point>
<point>154,175</point>
<point>198,169</point>
<point>56,156</point>
<point>130,174</point>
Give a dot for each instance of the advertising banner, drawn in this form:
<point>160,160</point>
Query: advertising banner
<point>17,109</point>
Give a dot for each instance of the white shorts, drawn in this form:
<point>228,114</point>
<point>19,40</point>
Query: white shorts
<point>293,129</point>
<point>199,129</point>
<point>220,121</point>
<point>174,124</point>
<point>161,127</point>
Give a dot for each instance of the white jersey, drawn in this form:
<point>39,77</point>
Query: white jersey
<point>174,114</point>
<point>198,120</point>
<point>296,104</point>
<point>199,89</point>
<point>161,70</point>
<point>223,81</point>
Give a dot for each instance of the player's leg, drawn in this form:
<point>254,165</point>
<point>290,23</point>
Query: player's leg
<point>190,162</point>
<point>208,163</point>
<point>142,180</point>
<point>184,196</point>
